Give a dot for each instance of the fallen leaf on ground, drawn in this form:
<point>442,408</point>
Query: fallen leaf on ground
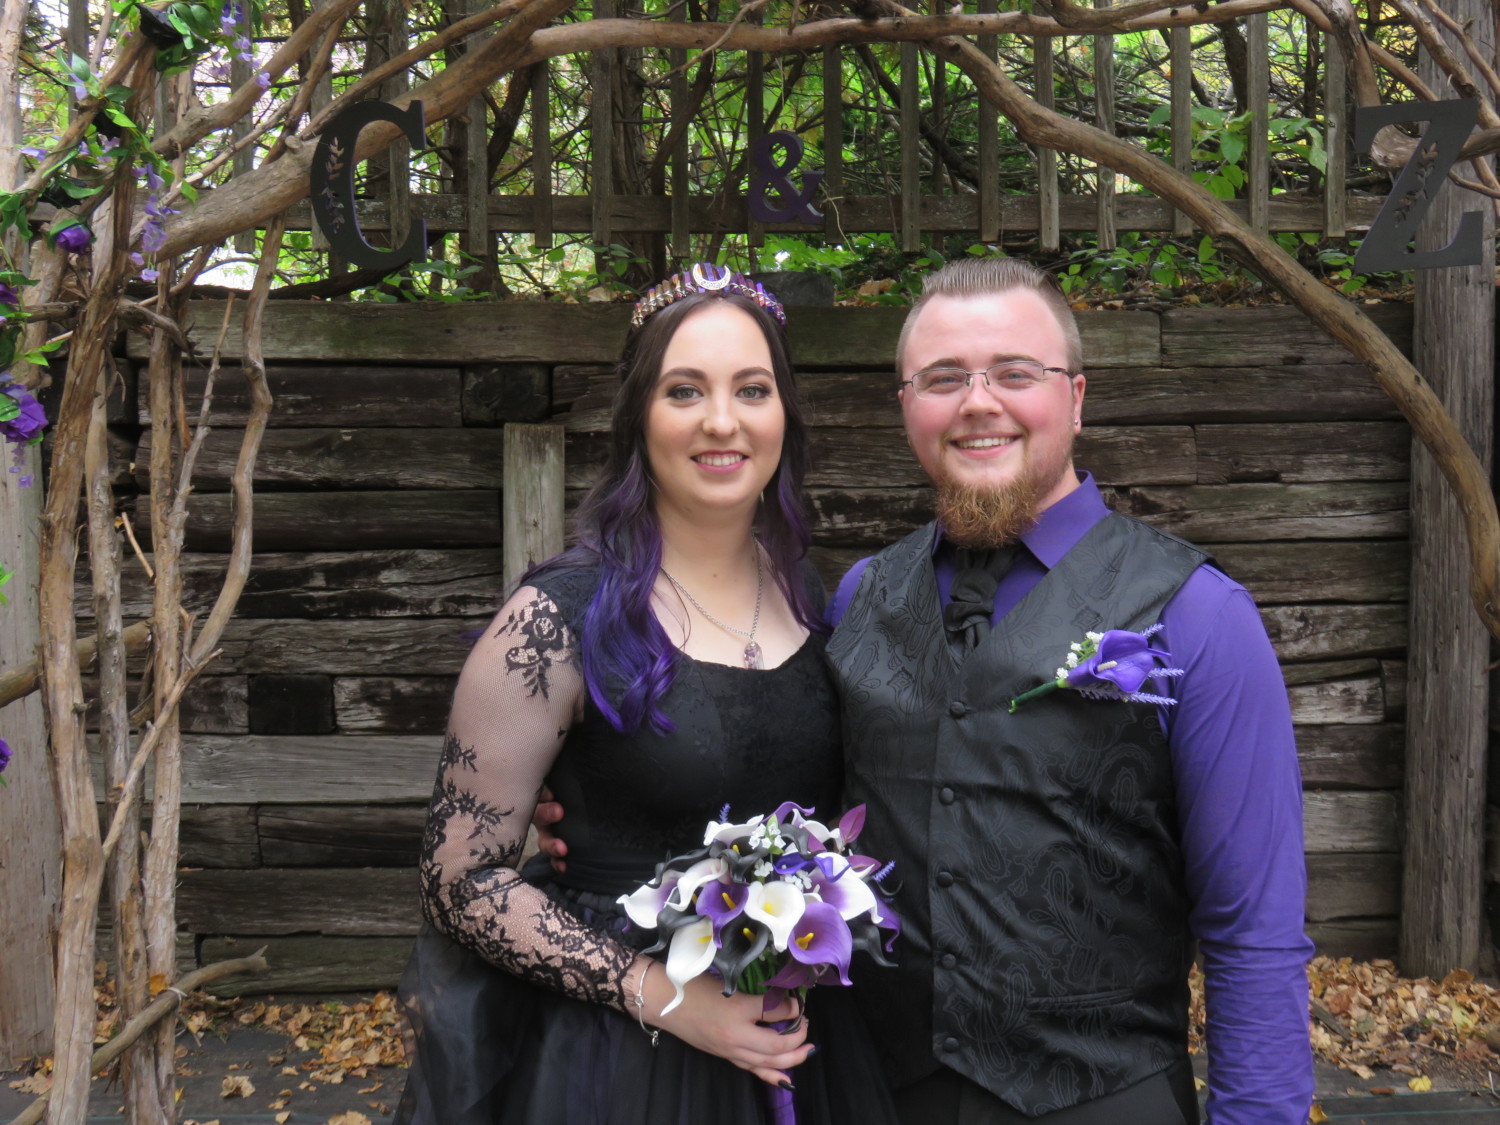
<point>1421,1084</point>
<point>236,1086</point>
<point>36,1084</point>
<point>353,1117</point>
<point>1317,1117</point>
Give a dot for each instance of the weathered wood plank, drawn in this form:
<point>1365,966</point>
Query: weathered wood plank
<point>1364,939</point>
<point>1242,512</point>
<point>1358,700</point>
<point>1352,822</point>
<point>1353,885</point>
<point>854,457</point>
<point>333,396</point>
<point>496,393</point>
<point>1352,757</point>
<point>310,963</point>
<point>341,835</point>
<point>298,332</point>
<point>1310,451</point>
<point>211,835</point>
<point>393,704</point>
<point>211,704</point>
<point>303,769</point>
<point>725,214</point>
<point>334,521</point>
<point>452,583</point>
<point>533,504</point>
<point>334,459</point>
<point>1327,570</point>
<point>369,646</point>
<point>1327,671</point>
<point>356,902</point>
<point>1328,632</point>
<point>1116,396</point>
<point>866,517</point>
<point>1393,672</point>
<point>1208,338</point>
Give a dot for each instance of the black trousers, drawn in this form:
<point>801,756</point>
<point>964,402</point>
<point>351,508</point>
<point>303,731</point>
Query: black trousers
<point>947,1098</point>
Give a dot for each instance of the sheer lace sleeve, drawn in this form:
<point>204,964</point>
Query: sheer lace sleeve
<point>518,694</point>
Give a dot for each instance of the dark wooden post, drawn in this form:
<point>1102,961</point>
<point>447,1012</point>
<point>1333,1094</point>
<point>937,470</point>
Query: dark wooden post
<point>1448,692</point>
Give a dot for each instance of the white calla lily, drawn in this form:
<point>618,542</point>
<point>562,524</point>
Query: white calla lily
<point>725,830</point>
<point>646,902</point>
<point>778,905</point>
<point>704,871</point>
<point>690,954</point>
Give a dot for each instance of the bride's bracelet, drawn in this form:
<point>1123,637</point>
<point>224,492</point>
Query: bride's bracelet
<point>640,1005</point>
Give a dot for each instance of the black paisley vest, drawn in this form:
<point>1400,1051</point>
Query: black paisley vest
<point>1045,947</point>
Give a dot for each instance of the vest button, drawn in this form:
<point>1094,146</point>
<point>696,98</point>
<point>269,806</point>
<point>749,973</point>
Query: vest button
<point>946,795</point>
<point>957,709</point>
<point>945,878</point>
<point>949,961</point>
<point>950,1044</point>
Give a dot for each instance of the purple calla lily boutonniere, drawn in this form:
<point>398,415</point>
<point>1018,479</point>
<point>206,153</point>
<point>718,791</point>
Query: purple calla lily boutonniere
<point>1111,665</point>
<point>770,906</point>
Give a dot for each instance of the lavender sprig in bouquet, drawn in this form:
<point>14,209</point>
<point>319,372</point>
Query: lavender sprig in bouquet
<point>776,903</point>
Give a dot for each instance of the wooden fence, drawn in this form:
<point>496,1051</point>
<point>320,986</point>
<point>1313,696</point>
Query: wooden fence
<point>312,747</point>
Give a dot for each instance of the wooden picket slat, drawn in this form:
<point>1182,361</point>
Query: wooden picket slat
<point>1181,61</point>
<point>601,134</point>
<point>533,518</point>
<point>1258,75</point>
<point>989,145</point>
<point>939,92</point>
<point>1048,203</point>
<point>1335,139</point>
<point>833,143</point>
<point>541,153</point>
<point>755,127</point>
<point>911,179</point>
<point>1104,118</point>
<point>677,167</point>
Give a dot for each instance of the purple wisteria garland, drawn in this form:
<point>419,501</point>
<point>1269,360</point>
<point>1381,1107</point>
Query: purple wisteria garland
<point>771,905</point>
<point>22,421</point>
<point>1110,665</point>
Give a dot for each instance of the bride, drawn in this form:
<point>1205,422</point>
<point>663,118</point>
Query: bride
<point>668,665</point>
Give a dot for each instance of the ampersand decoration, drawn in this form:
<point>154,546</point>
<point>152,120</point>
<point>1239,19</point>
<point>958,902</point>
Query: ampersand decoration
<point>796,205</point>
<point>332,185</point>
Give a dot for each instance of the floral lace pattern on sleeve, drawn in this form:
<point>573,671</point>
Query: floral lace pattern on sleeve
<point>514,703</point>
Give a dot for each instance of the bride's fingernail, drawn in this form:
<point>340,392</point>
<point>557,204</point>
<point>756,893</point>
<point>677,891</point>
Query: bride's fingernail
<point>785,1085</point>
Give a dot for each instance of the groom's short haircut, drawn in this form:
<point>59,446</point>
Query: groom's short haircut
<point>983,277</point>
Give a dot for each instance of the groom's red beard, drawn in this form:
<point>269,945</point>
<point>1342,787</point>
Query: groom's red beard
<point>983,518</point>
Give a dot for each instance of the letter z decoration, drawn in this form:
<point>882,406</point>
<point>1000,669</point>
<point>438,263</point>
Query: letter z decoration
<point>332,185</point>
<point>1448,126</point>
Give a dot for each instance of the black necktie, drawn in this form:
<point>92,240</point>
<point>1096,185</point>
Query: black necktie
<point>972,599</point>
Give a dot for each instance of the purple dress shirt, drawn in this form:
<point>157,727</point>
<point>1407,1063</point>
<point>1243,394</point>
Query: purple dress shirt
<point>1239,796</point>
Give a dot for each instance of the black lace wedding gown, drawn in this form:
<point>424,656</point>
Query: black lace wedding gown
<point>515,988</point>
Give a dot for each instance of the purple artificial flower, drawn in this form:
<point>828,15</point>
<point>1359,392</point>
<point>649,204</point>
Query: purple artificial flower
<point>4,755</point>
<point>242,46</point>
<point>153,235</point>
<point>1122,659</point>
<point>74,239</point>
<point>263,80</point>
<point>723,902</point>
<point>29,420</point>
<point>821,937</point>
<point>150,274</point>
<point>34,152</point>
<point>8,296</point>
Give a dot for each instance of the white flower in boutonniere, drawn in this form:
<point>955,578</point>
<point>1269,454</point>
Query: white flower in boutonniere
<point>1111,665</point>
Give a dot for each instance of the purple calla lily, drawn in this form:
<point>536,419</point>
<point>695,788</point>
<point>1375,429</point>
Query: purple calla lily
<point>821,937</point>
<point>1123,660</point>
<point>841,888</point>
<point>723,902</point>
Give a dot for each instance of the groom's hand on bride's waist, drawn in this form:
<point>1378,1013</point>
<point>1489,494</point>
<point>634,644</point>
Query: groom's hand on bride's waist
<point>549,812</point>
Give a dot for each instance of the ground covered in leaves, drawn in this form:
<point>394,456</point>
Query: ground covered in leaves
<point>1418,1034</point>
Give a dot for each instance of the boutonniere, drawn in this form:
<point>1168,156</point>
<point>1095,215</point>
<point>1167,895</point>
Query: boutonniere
<point>1111,665</point>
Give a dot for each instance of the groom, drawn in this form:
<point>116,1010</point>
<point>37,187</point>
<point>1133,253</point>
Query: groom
<point>1058,862</point>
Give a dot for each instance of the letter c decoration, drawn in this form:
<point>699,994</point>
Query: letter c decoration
<point>332,185</point>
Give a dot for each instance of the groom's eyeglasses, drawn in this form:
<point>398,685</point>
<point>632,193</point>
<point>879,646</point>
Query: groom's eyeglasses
<point>1012,376</point>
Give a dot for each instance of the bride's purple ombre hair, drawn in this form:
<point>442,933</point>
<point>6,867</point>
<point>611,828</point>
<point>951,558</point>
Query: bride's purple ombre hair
<point>629,662</point>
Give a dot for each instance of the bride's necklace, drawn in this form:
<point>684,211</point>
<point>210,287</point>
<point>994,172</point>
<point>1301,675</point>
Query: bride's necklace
<point>753,657</point>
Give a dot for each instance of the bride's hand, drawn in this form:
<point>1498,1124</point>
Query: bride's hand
<point>731,1027</point>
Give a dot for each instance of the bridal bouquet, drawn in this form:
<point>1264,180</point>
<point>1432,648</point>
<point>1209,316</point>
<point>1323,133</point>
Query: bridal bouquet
<point>775,903</point>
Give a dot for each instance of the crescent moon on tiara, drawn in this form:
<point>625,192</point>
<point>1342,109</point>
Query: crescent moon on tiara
<point>705,282</point>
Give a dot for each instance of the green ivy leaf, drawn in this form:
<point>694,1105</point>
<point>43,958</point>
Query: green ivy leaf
<point>1232,147</point>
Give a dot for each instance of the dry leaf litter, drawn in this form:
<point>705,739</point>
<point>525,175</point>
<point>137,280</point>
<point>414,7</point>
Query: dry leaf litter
<point>1364,1018</point>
